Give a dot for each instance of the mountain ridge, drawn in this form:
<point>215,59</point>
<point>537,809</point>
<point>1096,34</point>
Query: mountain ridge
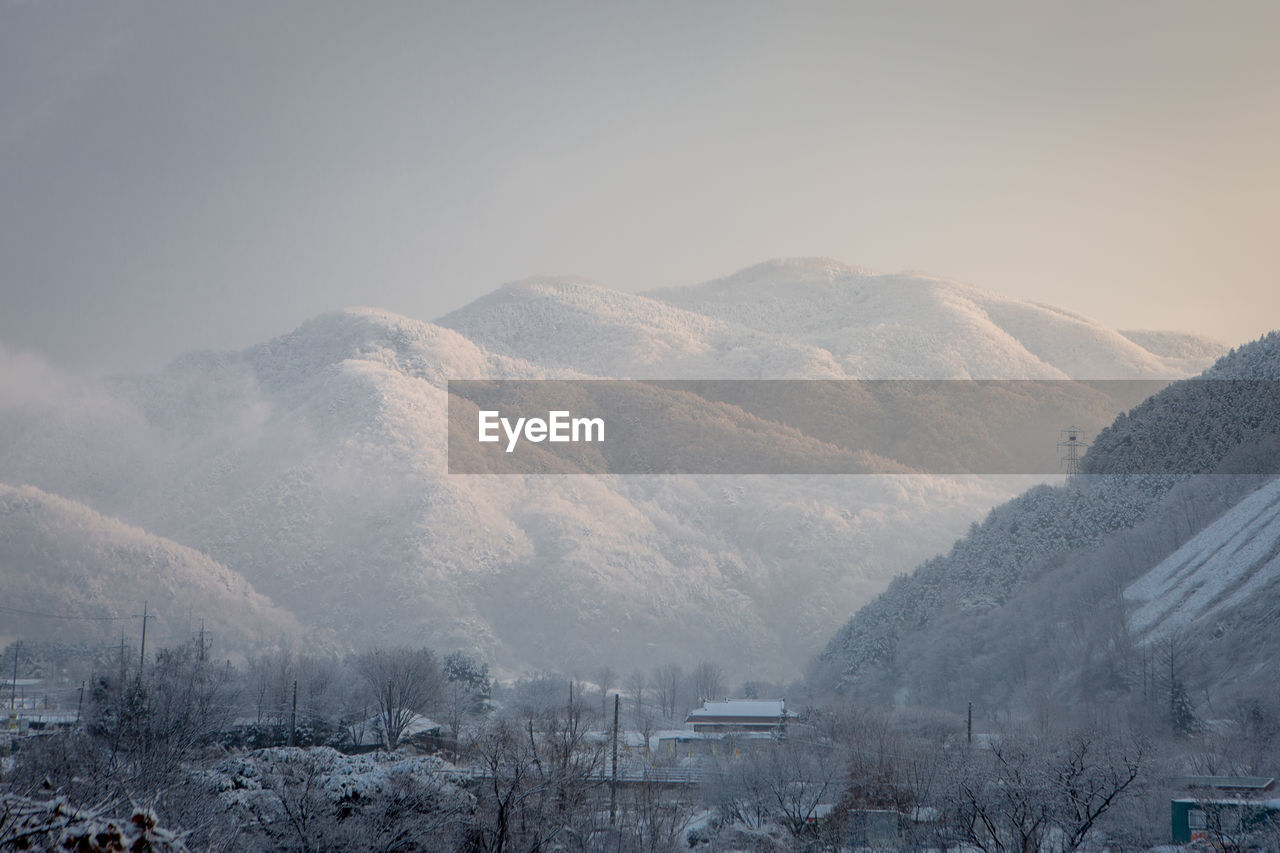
<point>314,465</point>
<point>850,310</point>
<point>72,571</point>
<point>1066,553</point>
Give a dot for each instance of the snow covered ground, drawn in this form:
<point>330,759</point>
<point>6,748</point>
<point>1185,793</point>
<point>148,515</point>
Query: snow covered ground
<point>1228,564</point>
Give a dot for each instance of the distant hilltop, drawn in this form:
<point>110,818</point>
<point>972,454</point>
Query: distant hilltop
<point>311,468</point>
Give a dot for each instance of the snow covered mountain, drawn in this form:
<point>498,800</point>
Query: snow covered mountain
<point>1230,566</point>
<point>313,465</point>
<point>572,324</point>
<point>812,319</point>
<point>1212,604</point>
<point>906,326</point>
<point>1181,346</point>
<point>62,558</point>
<point>1057,593</point>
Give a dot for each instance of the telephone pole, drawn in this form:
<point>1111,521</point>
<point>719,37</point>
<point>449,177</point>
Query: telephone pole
<point>13,692</point>
<point>613,780</point>
<point>142,654</point>
<point>293,716</point>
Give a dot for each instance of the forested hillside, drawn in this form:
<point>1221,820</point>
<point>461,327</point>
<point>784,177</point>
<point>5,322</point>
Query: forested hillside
<point>1029,605</point>
<point>314,465</point>
<point>72,573</point>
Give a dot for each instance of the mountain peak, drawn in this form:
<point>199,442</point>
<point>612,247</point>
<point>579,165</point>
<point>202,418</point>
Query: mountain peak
<point>551,283</point>
<point>802,269</point>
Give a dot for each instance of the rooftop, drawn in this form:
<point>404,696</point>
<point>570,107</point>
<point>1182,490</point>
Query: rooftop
<point>745,709</point>
<point>1229,783</point>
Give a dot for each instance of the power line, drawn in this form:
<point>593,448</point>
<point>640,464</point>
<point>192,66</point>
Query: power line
<point>1071,447</point>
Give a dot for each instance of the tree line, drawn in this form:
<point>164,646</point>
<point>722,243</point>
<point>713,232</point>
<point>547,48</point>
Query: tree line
<point>216,756</point>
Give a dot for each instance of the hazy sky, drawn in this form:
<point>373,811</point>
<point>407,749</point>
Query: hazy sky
<point>179,176</point>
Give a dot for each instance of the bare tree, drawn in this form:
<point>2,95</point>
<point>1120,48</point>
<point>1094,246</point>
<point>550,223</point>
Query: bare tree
<point>1240,825</point>
<point>403,683</point>
<point>606,679</point>
<point>318,685</point>
<point>1027,795</point>
<point>780,782</point>
<point>641,715</point>
<point>888,769</point>
<point>141,736</point>
<point>512,785</point>
<point>542,782</point>
<point>653,819</point>
<point>1174,655</point>
<point>538,694</point>
<point>707,680</point>
<point>466,691</point>
<point>667,681</point>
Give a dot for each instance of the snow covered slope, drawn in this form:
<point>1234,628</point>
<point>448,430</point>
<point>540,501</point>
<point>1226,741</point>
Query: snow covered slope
<point>1035,589</point>
<point>314,465</point>
<point>889,326</point>
<point>62,558</point>
<point>1181,346</point>
<point>575,324</point>
<point>1232,562</point>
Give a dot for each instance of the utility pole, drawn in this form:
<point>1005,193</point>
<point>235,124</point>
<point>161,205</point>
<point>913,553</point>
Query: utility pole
<point>142,655</point>
<point>969,727</point>
<point>293,716</point>
<point>200,655</point>
<point>13,693</point>
<point>79,703</point>
<point>613,781</point>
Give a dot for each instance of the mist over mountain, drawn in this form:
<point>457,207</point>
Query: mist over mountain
<point>314,465</point>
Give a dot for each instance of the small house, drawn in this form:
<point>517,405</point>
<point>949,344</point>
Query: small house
<point>1226,810</point>
<point>740,715</point>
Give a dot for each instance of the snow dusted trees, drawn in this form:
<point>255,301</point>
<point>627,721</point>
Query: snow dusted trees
<point>52,824</point>
<point>466,690</point>
<point>606,680</point>
<point>1025,794</point>
<point>403,683</point>
<point>781,782</point>
<point>142,732</point>
<point>667,681</point>
<point>318,799</point>
<point>641,714</point>
<point>542,781</point>
<point>707,680</point>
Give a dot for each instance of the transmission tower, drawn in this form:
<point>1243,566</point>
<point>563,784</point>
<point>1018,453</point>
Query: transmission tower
<point>1071,448</point>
